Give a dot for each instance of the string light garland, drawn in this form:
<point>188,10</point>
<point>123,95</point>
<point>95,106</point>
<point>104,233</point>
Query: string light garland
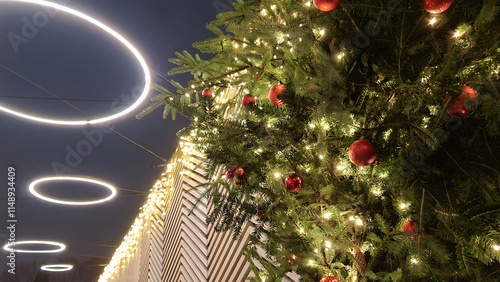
<point>160,194</point>
<point>72,178</point>
<point>113,34</point>
<point>12,247</point>
<point>56,267</point>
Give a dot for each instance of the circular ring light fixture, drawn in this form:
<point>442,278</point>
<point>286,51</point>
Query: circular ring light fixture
<point>114,34</point>
<point>56,267</point>
<point>12,247</point>
<point>72,178</point>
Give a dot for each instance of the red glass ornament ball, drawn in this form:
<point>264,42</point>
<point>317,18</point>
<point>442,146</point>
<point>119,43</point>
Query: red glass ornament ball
<point>274,94</point>
<point>362,153</point>
<point>239,171</point>
<point>436,6</point>
<point>326,5</point>
<point>206,92</point>
<point>237,182</point>
<point>457,109</point>
<point>293,182</point>
<point>229,175</point>
<point>329,279</point>
<point>248,100</point>
<point>260,213</point>
<point>409,226</point>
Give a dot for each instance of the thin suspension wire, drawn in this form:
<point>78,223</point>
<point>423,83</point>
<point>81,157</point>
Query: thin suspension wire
<point>135,143</point>
<point>76,108</point>
<point>98,245</point>
<point>82,255</point>
<point>43,89</point>
<point>158,74</point>
<point>130,190</point>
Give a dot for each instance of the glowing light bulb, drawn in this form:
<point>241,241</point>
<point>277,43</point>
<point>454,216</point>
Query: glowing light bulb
<point>308,3</point>
<point>496,247</point>
<point>328,244</point>
<point>327,215</point>
<point>273,7</point>
<point>432,21</point>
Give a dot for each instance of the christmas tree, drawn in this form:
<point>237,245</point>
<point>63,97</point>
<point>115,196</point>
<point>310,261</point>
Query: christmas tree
<point>362,136</point>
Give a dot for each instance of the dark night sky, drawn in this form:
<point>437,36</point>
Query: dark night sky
<point>74,60</point>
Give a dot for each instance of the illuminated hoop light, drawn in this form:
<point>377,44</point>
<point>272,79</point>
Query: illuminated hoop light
<point>56,267</point>
<point>113,33</point>
<point>72,178</point>
<point>11,247</point>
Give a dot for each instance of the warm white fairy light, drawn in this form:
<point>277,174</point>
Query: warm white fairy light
<point>432,21</point>
<point>157,197</point>
<point>327,215</point>
<point>273,7</point>
<point>328,244</point>
<point>340,56</point>
<point>376,191</point>
<point>264,12</point>
<point>311,262</point>
<point>308,3</point>
<point>414,261</point>
<point>113,34</point>
<point>496,247</point>
<point>321,157</point>
<point>322,32</point>
<point>457,34</point>
<point>277,175</point>
<point>359,222</point>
